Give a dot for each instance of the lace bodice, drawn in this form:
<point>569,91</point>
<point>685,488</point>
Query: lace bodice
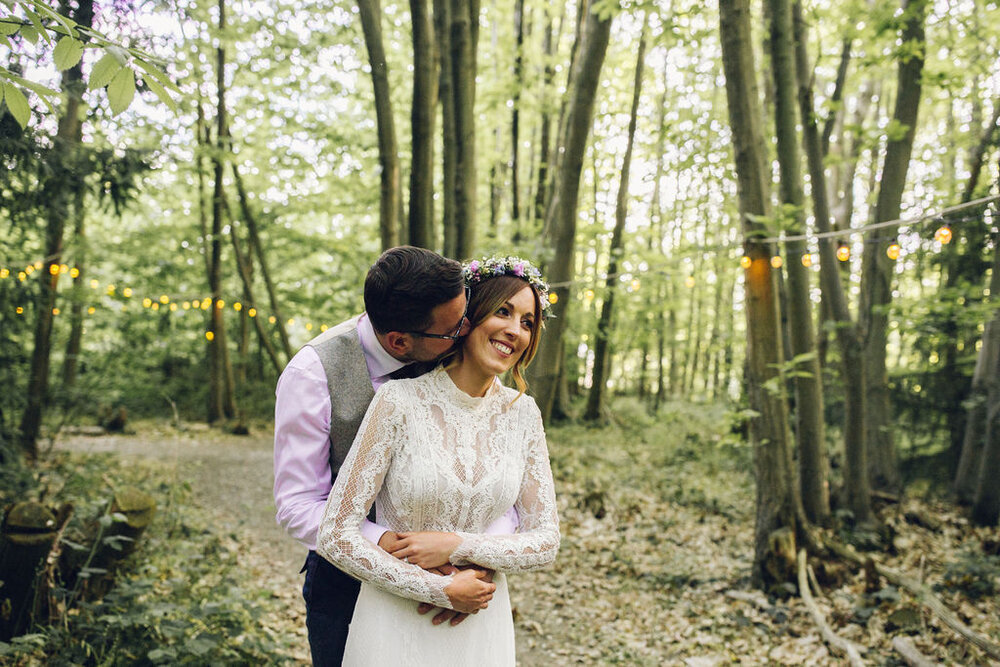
<point>434,458</point>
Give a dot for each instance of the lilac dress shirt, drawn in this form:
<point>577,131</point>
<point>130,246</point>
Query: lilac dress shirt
<point>302,478</point>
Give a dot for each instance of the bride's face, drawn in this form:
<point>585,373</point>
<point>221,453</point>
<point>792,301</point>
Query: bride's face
<point>495,345</point>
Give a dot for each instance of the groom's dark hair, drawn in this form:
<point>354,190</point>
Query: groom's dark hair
<point>405,284</point>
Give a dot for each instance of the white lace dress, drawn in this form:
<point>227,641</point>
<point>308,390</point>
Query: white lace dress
<point>432,457</point>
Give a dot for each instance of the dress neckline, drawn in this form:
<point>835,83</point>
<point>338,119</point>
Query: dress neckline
<point>459,397</point>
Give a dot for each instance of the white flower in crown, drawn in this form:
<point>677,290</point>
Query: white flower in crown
<point>490,267</point>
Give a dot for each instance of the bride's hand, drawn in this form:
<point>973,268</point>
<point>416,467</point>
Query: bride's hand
<point>427,549</point>
<point>468,592</point>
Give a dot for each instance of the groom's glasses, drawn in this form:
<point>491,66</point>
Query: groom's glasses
<point>453,336</point>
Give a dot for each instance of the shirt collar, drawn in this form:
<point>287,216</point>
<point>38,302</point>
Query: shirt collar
<point>379,361</point>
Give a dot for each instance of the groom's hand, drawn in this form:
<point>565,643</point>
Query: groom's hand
<point>389,541</point>
<point>427,549</point>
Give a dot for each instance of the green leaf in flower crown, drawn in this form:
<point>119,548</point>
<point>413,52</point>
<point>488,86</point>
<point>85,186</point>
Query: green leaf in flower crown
<point>121,90</point>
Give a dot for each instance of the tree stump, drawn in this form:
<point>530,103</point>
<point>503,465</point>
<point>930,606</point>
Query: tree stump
<point>26,538</point>
<point>131,513</point>
<point>108,540</point>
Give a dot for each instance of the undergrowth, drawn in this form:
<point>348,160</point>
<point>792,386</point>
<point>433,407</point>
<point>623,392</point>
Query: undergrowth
<point>181,598</point>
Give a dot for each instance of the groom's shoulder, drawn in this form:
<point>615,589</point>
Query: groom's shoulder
<point>335,332</point>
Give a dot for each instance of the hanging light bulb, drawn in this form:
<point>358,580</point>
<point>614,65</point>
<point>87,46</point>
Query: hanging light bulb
<point>210,335</point>
<point>94,283</point>
<point>843,253</point>
<point>635,284</point>
<point>74,272</point>
<point>54,269</point>
<point>689,281</point>
<point>553,297</point>
<point>892,252</point>
<point>91,310</point>
<point>127,292</point>
<point>4,273</point>
<point>589,295</point>
<point>147,302</point>
<point>807,260</point>
<point>252,312</point>
<point>777,262</point>
<point>745,261</point>
<point>164,299</point>
<point>943,235</point>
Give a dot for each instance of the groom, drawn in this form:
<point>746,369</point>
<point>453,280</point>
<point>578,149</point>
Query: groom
<point>415,306</point>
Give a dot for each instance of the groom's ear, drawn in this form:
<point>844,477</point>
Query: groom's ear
<point>398,344</point>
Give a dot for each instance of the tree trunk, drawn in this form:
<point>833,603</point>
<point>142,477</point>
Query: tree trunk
<point>985,379</point>
<point>388,157</point>
<point>542,181</point>
<point>464,25</point>
<point>776,491</point>
<point>64,177</point>
<point>877,268</point>
<point>602,345</point>
<point>809,428</point>
<point>515,116</point>
<point>856,487</point>
<point>560,218</point>
<point>258,250</point>
<point>221,384</point>
<point>442,33</point>
<point>425,92</point>
<point>71,361</point>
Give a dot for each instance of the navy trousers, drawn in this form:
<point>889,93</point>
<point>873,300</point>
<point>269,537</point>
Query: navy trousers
<point>330,596</point>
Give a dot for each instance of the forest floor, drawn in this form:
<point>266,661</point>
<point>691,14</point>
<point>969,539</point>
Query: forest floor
<point>657,544</point>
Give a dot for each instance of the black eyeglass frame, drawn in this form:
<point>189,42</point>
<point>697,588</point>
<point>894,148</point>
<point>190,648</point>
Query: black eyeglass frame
<point>454,336</point>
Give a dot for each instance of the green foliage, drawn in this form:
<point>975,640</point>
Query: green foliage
<point>181,599</point>
<point>975,574</point>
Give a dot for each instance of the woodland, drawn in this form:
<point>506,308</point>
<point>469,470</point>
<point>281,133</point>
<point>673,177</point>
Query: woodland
<point>771,385</point>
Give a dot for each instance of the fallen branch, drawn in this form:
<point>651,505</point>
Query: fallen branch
<point>910,654</point>
<point>835,641</point>
<point>925,597</point>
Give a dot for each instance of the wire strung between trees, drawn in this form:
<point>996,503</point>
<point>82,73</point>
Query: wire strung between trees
<point>880,225</point>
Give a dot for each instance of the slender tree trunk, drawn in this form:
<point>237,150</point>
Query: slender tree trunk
<point>258,250</point>
<point>244,263</point>
<point>222,402</point>
<point>856,487</point>
<point>463,74</point>
<point>777,502</point>
<point>542,183</point>
<point>515,116</point>
<point>877,268</point>
<point>809,430</point>
<point>425,92</point>
<point>982,398</point>
<point>71,361</point>
<point>560,220</point>
<point>446,92</point>
<point>602,344</point>
<point>388,157</point>
<point>64,177</point>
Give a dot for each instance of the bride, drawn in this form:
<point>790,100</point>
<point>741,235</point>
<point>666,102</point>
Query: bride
<point>442,456</point>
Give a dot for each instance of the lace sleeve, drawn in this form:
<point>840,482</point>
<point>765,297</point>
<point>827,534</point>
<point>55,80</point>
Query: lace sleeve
<point>358,482</point>
<point>536,543</point>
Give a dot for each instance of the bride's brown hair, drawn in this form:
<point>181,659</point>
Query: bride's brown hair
<point>485,298</point>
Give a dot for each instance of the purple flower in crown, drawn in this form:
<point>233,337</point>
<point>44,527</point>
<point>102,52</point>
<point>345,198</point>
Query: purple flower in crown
<point>519,269</point>
<point>473,266</point>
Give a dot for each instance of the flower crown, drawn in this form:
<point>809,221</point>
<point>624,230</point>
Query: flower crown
<point>479,270</point>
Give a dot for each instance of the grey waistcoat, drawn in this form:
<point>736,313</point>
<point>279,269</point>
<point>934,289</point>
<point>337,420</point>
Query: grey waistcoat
<point>351,392</point>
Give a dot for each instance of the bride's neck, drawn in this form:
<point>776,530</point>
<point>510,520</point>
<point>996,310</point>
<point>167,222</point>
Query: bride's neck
<point>470,380</point>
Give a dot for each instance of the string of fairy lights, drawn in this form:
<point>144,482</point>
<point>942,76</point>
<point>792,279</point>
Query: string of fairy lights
<point>123,296</point>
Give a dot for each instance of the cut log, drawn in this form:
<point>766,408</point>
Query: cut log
<point>839,645</point>
<point>910,654</point>
<point>26,538</point>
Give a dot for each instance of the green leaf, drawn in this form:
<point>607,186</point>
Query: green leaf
<point>121,90</point>
<point>9,27</point>
<point>29,34</point>
<point>159,75</point>
<point>67,23</point>
<point>36,23</point>
<point>104,71</point>
<point>16,104</point>
<point>160,92</point>
<point>44,93</point>
<point>67,53</point>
